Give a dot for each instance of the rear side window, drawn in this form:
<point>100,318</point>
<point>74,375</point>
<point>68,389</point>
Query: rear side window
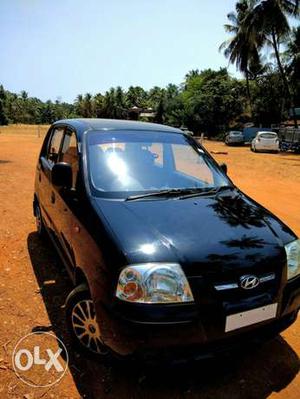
<point>268,136</point>
<point>54,144</point>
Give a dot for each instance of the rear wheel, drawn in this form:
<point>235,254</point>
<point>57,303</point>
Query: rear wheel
<point>82,323</point>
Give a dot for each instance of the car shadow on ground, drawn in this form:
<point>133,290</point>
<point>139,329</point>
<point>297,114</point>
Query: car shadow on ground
<point>255,373</point>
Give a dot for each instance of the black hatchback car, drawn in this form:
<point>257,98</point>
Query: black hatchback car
<point>166,255</point>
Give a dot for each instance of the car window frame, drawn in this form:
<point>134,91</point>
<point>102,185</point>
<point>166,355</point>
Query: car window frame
<point>67,130</point>
<point>45,155</point>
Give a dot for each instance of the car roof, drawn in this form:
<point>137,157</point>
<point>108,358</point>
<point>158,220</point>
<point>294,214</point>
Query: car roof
<point>83,124</point>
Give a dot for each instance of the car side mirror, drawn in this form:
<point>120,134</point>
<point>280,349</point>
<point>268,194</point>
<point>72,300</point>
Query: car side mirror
<point>61,175</point>
<point>223,166</point>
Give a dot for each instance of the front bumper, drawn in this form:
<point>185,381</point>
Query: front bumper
<point>129,329</point>
<point>193,352</point>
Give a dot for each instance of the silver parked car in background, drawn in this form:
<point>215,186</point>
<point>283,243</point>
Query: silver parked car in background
<point>234,137</point>
<point>265,141</point>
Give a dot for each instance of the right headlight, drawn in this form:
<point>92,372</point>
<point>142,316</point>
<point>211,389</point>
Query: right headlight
<point>154,283</point>
<point>293,259</point>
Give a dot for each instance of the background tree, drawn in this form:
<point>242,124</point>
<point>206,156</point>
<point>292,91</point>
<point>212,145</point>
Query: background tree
<point>136,97</point>
<point>269,106</point>
<point>242,49</point>
<point>268,19</point>
<point>120,104</point>
<point>292,59</point>
<point>212,100</point>
<point>99,105</point>
<point>3,118</point>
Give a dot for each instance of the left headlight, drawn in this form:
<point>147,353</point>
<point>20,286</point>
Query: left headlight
<point>154,283</point>
<point>293,258</point>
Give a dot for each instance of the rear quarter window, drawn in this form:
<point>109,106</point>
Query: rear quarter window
<point>268,136</point>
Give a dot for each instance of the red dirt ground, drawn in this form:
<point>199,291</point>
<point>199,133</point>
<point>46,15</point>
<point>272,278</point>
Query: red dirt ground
<point>33,289</point>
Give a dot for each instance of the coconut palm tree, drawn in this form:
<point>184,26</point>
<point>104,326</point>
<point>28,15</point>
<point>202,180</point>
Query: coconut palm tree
<point>242,49</point>
<point>269,20</point>
<point>292,53</point>
<point>88,105</point>
<point>192,74</point>
<point>292,60</point>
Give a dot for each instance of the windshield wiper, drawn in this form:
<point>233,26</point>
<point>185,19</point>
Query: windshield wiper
<point>214,191</point>
<point>167,193</point>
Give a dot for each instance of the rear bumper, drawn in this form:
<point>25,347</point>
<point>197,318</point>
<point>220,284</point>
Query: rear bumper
<point>125,333</point>
<point>233,141</point>
<point>267,148</point>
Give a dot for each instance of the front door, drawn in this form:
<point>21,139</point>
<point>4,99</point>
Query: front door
<point>48,158</point>
<point>67,199</point>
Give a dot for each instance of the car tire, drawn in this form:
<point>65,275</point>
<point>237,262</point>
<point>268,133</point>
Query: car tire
<point>40,226</point>
<point>82,325</point>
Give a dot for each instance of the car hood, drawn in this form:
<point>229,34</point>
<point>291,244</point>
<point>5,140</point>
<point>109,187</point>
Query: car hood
<point>218,232</point>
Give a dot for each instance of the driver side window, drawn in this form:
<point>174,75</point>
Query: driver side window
<point>69,154</point>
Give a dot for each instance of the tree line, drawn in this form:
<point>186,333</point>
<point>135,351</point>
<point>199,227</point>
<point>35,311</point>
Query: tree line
<point>206,101</point>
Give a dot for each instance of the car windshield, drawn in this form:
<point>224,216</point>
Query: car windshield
<point>135,162</point>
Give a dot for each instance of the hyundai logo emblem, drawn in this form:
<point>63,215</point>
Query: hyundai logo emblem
<point>249,282</point>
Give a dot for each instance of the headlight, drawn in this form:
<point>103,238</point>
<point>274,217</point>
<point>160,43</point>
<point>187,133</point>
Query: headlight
<point>293,258</point>
<point>154,283</point>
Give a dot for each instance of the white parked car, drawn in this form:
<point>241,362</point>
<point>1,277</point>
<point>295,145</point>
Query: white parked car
<point>234,137</point>
<point>265,141</point>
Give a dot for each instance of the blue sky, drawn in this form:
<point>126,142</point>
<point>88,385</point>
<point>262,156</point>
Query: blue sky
<point>60,48</point>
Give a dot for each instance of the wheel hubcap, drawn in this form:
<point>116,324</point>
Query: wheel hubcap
<point>86,327</point>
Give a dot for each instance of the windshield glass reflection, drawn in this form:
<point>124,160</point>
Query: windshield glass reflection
<point>148,161</point>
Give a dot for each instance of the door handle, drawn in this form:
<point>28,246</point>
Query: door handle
<point>52,198</point>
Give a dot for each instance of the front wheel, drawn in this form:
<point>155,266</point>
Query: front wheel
<point>82,323</point>
<point>40,227</point>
